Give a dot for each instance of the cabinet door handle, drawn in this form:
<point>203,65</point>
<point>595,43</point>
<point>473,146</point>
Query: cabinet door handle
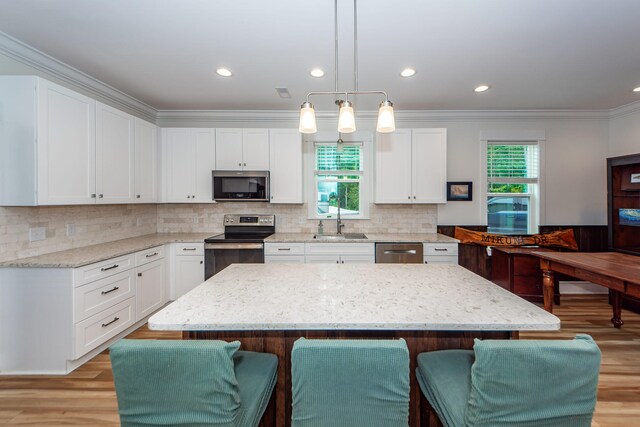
<point>338,262</point>
<point>343,262</point>
<point>239,164</point>
<point>409,197</point>
<point>101,196</point>
<point>93,196</point>
<point>115,319</point>
<point>193,196</point>
<point>150,255</point>
<point>139,274</point>
<point>115,288</point>
<point>245,164</point>
<point>138,196</point>
<point>109,268</point>
<point>201,262</point>
<point>414,197</point>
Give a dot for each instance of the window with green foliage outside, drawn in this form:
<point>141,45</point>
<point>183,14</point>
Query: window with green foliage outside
<point>338,176</point>
<point>512,178</point>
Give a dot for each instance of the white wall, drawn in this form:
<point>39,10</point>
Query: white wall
<point>624,136</point>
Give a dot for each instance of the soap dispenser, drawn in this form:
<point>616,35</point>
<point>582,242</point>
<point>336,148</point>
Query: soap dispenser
<point>320,227</point>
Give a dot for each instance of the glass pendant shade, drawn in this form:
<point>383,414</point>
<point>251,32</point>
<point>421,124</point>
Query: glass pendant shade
<point>346,120</point>
<point>386,121</point>
<point>307,119</point>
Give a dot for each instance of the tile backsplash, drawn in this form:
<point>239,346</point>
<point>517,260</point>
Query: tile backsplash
<point>293,218</point>
<point>105,223</point>
<point>93,224</point>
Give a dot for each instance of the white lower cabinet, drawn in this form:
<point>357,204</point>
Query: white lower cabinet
<point>52,320</point>
<point>149,288</point>
<point>440,253</point>
<point>187,267</point>
<point>284,253</point>
<point>340,253</point>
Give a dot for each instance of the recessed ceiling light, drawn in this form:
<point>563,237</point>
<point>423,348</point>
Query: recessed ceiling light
<point>637,89</point>
<point>481,88</point>
<point>224,72</point>
<point>408,72</point>
<point>316,72</point>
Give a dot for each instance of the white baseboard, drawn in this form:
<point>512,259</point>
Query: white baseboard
<point>581,288</point>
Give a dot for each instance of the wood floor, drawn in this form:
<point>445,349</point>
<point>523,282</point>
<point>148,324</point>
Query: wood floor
<point>86,396</point>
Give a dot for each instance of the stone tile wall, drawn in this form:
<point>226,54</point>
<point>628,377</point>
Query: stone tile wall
<point>105,223</point>
<point>93,224</point>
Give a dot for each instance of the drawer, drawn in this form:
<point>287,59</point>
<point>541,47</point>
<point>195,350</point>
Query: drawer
<point>441,259</point>
<point>284,248</point>
<point>96,296</point>
<point>340,249</point>
<point>102,269</point>
<point>526,266</point>
<point>436,249</point>
<point>527,285</point>
<point>189,248</point>
<point>284,259</point>
<point>149,255</point>
<point>97,329</point>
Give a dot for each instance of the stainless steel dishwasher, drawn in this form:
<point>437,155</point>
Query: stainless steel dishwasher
<point>399,253</point>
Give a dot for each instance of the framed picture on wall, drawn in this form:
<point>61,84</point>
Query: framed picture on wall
<point>460,191</point>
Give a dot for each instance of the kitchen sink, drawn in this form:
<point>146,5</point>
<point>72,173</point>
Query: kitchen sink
<point>345,236</point>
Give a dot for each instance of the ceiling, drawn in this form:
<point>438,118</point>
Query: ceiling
<point>535,54</point>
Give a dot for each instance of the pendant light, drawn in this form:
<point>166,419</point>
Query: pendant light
<point>307,118</point>
<point>346,117</point>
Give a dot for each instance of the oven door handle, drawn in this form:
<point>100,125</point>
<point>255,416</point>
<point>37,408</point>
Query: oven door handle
<point>224,246</point>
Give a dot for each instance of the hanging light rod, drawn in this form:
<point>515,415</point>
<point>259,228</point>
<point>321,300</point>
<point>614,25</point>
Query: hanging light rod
<point>346,118</point>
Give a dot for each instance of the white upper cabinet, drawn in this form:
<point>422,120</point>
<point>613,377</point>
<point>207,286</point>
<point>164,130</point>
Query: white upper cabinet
<point>393,171</point>
<point>59,147</point>
<point>146,160</point>
<point>47,148</point>
<point>189,156</point>
<point>411,166</point>
<point>115,153</point>
<point>429,165</point>
<point>285,159</point>
<point>242,149</point>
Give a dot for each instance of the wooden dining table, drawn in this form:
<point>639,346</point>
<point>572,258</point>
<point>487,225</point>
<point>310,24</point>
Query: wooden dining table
<point>617,271</point>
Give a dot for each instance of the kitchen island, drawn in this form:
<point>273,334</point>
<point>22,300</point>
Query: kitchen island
<point>268,306</point>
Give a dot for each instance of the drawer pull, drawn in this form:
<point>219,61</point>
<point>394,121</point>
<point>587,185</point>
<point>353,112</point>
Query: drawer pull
<point>440,249</point>
<point>189,249</point>
<point>115,319</point>
<point>109,268</point>
<point>150,255</point>
<point>115,288</point>
<point>284,249</point>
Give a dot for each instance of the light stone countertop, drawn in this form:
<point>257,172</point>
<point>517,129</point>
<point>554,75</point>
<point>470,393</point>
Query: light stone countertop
<point>371,238</point>
<point>78,257</point>
<point>348,297</point>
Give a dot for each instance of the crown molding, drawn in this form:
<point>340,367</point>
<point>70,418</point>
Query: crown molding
<point>28,55</point>
<point>175,117</point>
<point>625,110</point>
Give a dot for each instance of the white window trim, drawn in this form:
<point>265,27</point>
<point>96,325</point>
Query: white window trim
<point>515,137</point>
<point>311,189</point>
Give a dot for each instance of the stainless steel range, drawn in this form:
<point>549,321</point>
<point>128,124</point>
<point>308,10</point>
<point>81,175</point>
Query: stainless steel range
<point>242,242</point>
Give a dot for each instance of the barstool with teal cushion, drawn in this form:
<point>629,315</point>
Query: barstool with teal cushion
<point>194,383</point>
<point>355,383</point>
<point>523,383</point>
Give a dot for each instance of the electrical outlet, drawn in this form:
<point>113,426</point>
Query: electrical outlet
<point>302,220</point>
<point>71,229</point>
<point>138,221</point>
<point>38,233</point>
<point>195,219</point>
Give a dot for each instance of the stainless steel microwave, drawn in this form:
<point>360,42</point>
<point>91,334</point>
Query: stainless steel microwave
<point>240,186</point>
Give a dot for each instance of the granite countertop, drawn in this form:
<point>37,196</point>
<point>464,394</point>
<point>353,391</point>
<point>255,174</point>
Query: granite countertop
<point>350,296</point>
<point>85,255</point>
<point>371,238</point>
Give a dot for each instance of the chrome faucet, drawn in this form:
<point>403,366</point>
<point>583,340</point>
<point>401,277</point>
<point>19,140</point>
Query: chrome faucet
<point>339,223</point>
